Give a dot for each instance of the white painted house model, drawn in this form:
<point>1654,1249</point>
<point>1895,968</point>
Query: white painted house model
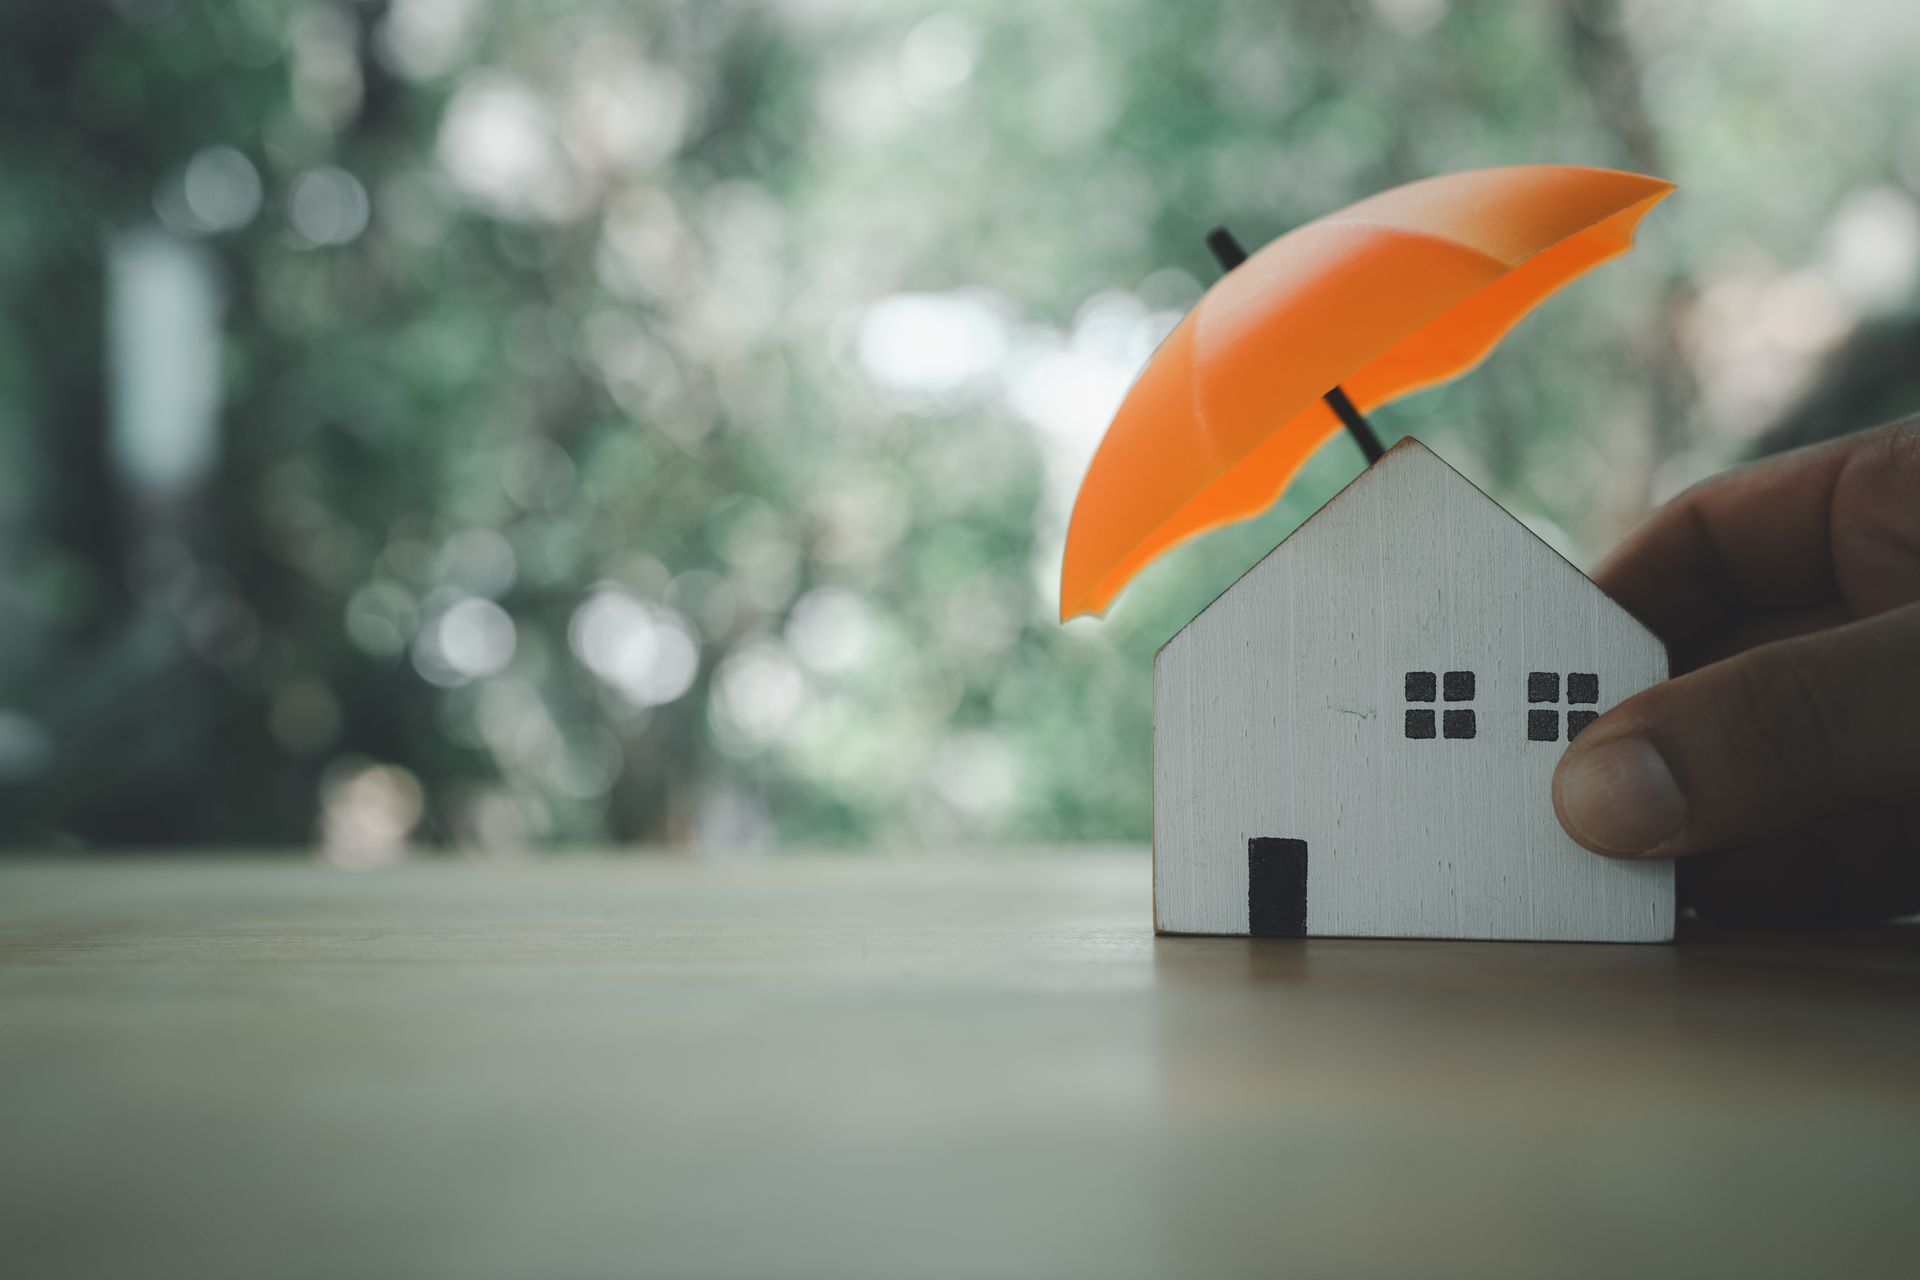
<point>1358,738</point>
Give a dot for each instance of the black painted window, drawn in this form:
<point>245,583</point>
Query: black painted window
<point>1453,722</point>
<point>1543,725</point>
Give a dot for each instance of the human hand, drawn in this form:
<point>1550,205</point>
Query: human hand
<point>1787,745</point>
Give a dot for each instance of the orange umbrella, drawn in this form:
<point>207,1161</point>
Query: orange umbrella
<point>1398,292</point>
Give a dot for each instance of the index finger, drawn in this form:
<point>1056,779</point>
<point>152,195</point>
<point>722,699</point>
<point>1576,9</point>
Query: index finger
<point>1774,537</point>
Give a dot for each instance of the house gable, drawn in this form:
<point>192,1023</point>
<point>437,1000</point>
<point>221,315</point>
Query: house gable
<point>1363,692</point>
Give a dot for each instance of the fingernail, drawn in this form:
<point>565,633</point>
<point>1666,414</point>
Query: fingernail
<point>1621,797</point>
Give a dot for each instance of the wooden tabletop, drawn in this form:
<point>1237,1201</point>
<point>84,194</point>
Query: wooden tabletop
<point>890,1068</point>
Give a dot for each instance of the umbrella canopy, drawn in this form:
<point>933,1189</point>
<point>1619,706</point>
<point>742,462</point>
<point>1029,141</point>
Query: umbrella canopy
<point>1400,291</point>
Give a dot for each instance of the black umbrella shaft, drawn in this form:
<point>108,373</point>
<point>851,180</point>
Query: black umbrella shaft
<point>1227,251</point>
<point>1356,424</point>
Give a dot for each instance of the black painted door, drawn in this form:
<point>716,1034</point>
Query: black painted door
<point>1276,888</point>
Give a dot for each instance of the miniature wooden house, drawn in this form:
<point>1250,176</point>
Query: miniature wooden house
<point>1358,738</point>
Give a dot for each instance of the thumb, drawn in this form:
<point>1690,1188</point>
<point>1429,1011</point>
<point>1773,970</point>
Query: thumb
<point>1751,746</point>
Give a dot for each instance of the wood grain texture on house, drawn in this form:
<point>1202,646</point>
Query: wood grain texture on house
<point>1358,738</point>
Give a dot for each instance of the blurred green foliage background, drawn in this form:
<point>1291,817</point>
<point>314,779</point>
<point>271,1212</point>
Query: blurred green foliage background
<point>488,426</point>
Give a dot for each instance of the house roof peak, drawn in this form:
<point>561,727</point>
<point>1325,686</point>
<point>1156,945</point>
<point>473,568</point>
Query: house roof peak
<point>1410,496</point>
